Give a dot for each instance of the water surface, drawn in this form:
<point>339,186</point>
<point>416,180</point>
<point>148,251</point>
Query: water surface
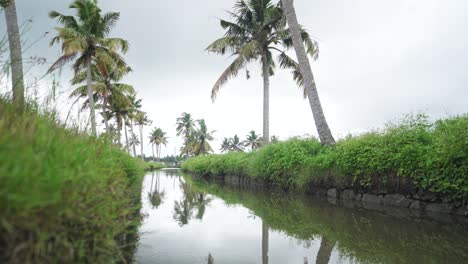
<point>188,219</point>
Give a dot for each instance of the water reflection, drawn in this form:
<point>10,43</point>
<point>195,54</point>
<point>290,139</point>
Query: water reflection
<point>238,225</point>
<point>192,205</point>
<point>156,196</point>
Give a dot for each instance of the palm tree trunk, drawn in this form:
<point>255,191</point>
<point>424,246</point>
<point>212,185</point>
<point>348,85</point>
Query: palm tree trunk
<point>266,98</point>
<point>141,142</point>
<point>91,98</point>
<point>131,130</point>
<point>126,139</point>
<point>265,240</point>
<point>152,147</point>
<point>119,128</point>
<point>104,113</point>
<point>324,132</point>
<point>16,58</point>
<point>324,253</point>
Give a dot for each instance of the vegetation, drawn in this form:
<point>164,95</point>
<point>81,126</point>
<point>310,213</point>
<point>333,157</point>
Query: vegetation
<point>158,138</point>
<point>151,166</point>
<point>259,29</point>
<point>65,197</point>
<point>196,136</point>
<point>411,153</point>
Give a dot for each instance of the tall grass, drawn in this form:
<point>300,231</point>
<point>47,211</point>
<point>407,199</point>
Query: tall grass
<point>413,154</point>
<point>65,197</point>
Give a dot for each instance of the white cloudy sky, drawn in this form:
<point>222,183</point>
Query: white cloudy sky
<point>379,60</point>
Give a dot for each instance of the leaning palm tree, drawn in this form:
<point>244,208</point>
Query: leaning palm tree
<point>185,127</point>
<point>258,30</point>
<point>84,37</point>
<point>16,54</point>
<point>253,141</point>
<point>305,70</point>
<point>200,143</point>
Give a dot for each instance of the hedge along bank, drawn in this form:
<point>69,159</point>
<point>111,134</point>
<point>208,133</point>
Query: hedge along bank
<point>413,163</point>
<point>65,197</point>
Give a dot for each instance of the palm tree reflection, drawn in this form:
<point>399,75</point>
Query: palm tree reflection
<point>192,206</point>
<point>156,197</point>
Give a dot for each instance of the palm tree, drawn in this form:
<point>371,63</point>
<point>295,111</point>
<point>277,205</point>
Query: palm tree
<point>200,141</point>
<point>225,145</point>
<point>133,115</point>
<point>235,144</point>
<point>119,108</point>
<point>16,54</point>
<point>253,140</point>
<point>259,28</point>
<point>133,142</point>
<point>158,137</point>
<point>86,36</point>
<point>324,131</point>
<point>142,120</point>
<point>185,127</point>
<point>106,77</point>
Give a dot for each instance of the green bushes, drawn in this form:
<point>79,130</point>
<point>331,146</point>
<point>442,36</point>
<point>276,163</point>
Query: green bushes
<point>64,197</point>
<point>150,166</point>
<point>413,152</point>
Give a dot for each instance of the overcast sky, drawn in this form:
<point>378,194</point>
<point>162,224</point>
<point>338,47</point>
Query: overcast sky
<point>379,60</point>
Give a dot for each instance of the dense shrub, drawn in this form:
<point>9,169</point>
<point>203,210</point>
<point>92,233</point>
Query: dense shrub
<point>64,197</point>
<point>413,151</point>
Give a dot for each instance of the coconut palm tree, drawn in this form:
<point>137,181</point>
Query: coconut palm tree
<point>84,37</point>
<point>235,144</point>
<point>253,141</point>
<point>133,115</point>
<point>258,30</point>
<point>142,120</point>
<point>185,127</point>
<point>133,142</point>
<point>119,108</point>
<point>225,145</point>
<point>16,53</point>
<point>200,140</point>
<point>158,138</point>
<point>105,75</point>
<point>324,131</point>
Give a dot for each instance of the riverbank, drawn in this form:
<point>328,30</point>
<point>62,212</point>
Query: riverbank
<point>151,166</point>
<point>65,197</point>
<point>394,235</point>
<point>413,163</point>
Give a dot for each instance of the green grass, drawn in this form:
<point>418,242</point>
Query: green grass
<point>150,166</point>
<point>64,197</point>
<point>413,154</point>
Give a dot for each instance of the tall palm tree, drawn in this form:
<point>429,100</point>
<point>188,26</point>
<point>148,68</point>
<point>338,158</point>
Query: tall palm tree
<point>16,54</point>
<point>105,75</point>
<point>258,30</point>
<point>324,131</point>
<point>200,143</point>
<point>158,138</point>
<point>142,120</point>
<point>185,127</point>
<point>253,141</point>
<point>84,37</point>
<point>133,142</point>
<point>133,115</point>
<point>119,108</point>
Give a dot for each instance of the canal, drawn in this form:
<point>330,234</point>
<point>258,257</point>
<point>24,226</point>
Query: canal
<point>190,220</point>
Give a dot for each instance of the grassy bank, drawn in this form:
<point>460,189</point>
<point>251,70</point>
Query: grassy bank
<point>150,166</point>
<point>406,156</point>
<point>64,197</point>
<point>365,237</point>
